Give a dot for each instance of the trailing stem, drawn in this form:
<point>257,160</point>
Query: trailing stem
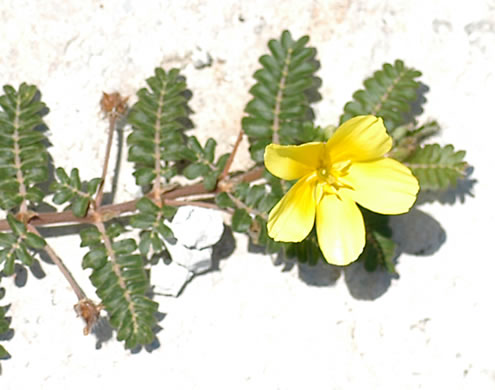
<point>115,210</point>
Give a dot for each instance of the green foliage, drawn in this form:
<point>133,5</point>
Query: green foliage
<point>379,250</point>
<point>250,205</point>
<point>202,162</point>
<point>18,245</point>
<point>158,120</point>
<point>312,133</point>
<point>279,112</point>
<point>4,323</point>
<point>121,283</point>
<point>306,251</point>
<point>23,155</point>
<point>437,167</point>
<point>150,219</point>
<point>246,202</point>
<point>70,189</point>
<point>388,94</point>
<point>281,96</point>
<point>404,137</point>
<point>261,238</point>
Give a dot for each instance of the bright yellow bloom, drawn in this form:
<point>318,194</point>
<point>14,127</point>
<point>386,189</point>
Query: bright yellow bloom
<point>332,177</point>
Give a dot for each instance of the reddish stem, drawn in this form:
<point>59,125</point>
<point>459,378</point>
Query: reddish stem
<point>115,210</point>
<point>226,169</point>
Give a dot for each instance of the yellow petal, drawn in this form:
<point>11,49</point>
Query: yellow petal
<point>362,138</point>
<point>293,217</point>
<point>340,229</point>
<point>384,186</point>
<point>290,162</point>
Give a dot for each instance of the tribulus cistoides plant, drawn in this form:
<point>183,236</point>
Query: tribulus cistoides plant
<point>313,193</point>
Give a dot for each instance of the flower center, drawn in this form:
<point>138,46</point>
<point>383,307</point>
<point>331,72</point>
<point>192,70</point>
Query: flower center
<point>331,174</point>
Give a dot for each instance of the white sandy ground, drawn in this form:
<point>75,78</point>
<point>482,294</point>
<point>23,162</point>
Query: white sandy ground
<point>252,324</point>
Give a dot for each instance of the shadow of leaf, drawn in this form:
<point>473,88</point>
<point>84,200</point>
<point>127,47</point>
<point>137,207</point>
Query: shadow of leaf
<point>462,189</point>
<point>417,233</point>
<point>416,108</point>
<point>223,249</point>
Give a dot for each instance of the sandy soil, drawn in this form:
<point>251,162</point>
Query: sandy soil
<point>253,324</point>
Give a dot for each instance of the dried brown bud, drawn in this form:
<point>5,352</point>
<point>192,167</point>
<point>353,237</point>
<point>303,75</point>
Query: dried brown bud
<point>113,102</point>
<point>27,216</point>
<point>89,311</point>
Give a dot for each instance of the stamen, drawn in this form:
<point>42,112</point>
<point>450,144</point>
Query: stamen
<point>330,175</point>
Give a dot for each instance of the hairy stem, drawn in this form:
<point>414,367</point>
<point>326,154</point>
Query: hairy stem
<point>111,129</point>
<point>61,266</point>
<point>114,105</point>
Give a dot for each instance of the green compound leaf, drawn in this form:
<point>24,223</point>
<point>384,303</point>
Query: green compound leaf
<point>223,200</point>
<point>411,138</point>
<point>388,94</point>
<point>261,237</point>
<point>379,250</point>
<point>202,162</point>
<point>71,189</point>
<point>241,221</point>
<point>248,203</point>
<point>121,283</point>
<point>158,121</point>
<point>437,167</point>
<point>4,325</point>
<point>306,251</point>
<point>23,155</point>
<point>17,227</point>
<point>3,352</point>
<point>18,245</point>
<point>34,241</point>
<point>285,87</point>
<point>150,219</point>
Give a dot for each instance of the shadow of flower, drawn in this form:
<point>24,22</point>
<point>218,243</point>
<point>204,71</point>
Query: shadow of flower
<point>415,233</point>
<point>365,285</point>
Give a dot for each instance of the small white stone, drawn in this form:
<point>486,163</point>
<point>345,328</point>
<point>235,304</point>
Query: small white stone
<point>169,279</point>
<point>197,227</point>
<point>194,260</point>
<point>196,230</point>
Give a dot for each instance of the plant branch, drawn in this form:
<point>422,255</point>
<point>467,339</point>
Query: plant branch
<point>113,105</point>
<point>115,210</point>
<point>206,205</point>
<point>99,194</point>
<point>226,169</point>
<point>61,266</point>
<point>85,307</point>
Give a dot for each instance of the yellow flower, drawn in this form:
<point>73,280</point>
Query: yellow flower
<point>332,177</point>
